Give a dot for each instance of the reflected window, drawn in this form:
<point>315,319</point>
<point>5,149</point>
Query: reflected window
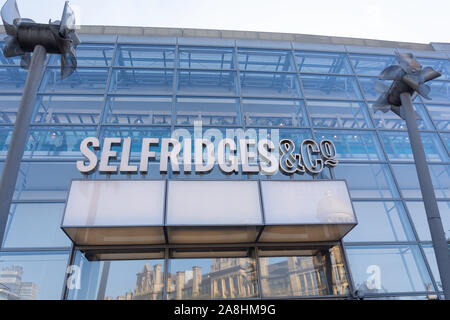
<point>330,87</point>
<point>270,84</point>
<point>302,272</point>
<point>339,114</point>
<point>32,276</point>
<point>384,269</point>
<point>89,55</point>
<point>206,58</point>
<point>274,113</point>
<point>390,120</point>
<point>265,60</point>
<point>398,146</point>
<point>212,278</point>
<point>9,105</point>
<point>323,62</point>
<point>83,80</point>
<point>370,65</point>
<point>145,56</point>
<point>210,111</point>
<point>440,115</point>
<point>409,183</point>
<point>207,82</point>
<point>380,221</point>
<point>367,180</point>
<point>59,109</point>
<point>446,137</point>
<point>35,225</point>
<point>142,81</point>
<point>58,141</point>
<point>353,145</point>
<point>139,110</point>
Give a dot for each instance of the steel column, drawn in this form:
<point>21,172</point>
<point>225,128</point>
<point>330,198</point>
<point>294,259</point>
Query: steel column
<point>429,198</point>
<point>19,135</point>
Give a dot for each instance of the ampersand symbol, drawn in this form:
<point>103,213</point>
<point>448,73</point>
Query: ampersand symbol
<point>289,162</point>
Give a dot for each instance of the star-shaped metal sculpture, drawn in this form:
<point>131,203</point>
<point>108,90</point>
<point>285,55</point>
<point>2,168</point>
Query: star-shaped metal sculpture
<point>24,34</point>
<point>408,76</point>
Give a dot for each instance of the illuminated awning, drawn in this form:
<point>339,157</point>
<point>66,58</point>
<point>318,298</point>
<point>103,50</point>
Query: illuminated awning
<point>147,212</point>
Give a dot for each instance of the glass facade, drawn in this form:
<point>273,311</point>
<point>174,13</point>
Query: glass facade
<point>131,89</point>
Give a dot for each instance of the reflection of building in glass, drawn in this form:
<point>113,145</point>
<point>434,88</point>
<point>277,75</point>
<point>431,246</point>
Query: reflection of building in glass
<point>312,275</point>
<point>304,275</point>
<point>12,287</point>
<point>228,278</point>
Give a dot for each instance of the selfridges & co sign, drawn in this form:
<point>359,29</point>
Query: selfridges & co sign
<point>242,151</point>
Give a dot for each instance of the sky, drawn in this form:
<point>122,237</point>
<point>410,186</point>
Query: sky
<point>421,21</point>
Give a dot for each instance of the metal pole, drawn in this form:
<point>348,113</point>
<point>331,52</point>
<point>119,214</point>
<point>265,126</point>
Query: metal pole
<point>19,135</point>
<point>426,186</point>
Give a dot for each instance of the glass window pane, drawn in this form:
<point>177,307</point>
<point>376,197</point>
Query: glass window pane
<point>440,91</point>
<point>417,212</point>
<point>213,278</point>
<point>368,87</point>
<point>142,81</point>
<point>57,142</point>
<point>35,225</point>
<point>270,84</point>
<point>274,113</point>
<point>313,273</point>
<point>145,56</point>
<point>8,108</point>
<point>390,120</point>
<point>431,258</point>
<point>211,111</point>
<point>440,115</point>
<point>380,221</point>
<point>330,87</point>
<point>386,269</point>
<point>83,80</point>
<point>398,146</point>
<point>265,60</point>
<point>45,180</point>
<point>339,114</point>
<point>409,183</point>
<point>32,276</point>
<point>323,62</point>
<point>371,65</point>
<point>207,82</point>
<point>12,79</point>
<point>89,55</point>
<point>118,280</point>
<point>206,58</point>
<point>367,180</point>
<point>69,109</point>
<point>354,145</point>
<point>139,110</point>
